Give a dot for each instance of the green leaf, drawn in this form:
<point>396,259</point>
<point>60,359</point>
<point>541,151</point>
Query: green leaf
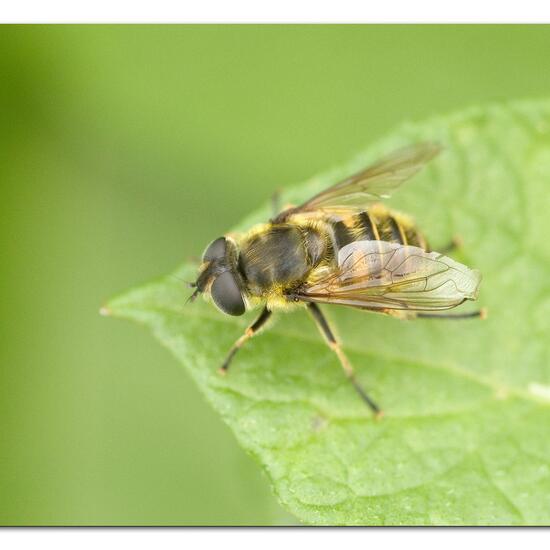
<point>465,439</point>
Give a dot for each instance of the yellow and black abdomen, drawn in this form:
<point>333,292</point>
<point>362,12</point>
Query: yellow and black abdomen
<point>377,224</point>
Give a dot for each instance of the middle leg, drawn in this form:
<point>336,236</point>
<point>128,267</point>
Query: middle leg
<point>334,345</point>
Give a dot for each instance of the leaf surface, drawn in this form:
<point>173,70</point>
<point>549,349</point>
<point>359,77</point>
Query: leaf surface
<point>465,438</point>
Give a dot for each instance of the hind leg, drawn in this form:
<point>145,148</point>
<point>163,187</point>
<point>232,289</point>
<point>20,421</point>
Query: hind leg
<point>480,313</point>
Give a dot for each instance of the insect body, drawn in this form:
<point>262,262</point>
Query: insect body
<point>340,247</point>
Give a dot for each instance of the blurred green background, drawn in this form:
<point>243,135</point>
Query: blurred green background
<point>124,150</point>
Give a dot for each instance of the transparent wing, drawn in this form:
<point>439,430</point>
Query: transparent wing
<point>382,275</point>
<point>376,182</point>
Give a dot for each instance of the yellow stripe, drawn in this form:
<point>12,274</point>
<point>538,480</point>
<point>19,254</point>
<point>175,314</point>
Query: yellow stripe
<point>401,232</point>
<point>374,227</point>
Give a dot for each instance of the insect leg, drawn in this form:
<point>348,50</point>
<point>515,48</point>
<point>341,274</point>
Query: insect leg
<point>326,331</point>
<point>481,313</point>
<point>248,333</point>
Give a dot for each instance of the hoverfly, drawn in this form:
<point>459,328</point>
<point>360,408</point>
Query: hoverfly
<point>342,247</point>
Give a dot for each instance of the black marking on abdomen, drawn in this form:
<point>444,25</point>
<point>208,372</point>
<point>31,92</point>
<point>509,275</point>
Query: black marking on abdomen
<point>368,228</point>
<point>343,235</point>
<point>356,227</point>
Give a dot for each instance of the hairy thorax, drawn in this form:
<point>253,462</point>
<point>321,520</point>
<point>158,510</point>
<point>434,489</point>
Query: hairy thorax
<point>275,258</point>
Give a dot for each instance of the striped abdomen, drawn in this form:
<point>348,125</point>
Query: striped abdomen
<point>378,224</point>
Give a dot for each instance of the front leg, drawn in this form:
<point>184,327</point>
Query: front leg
<point>248,333</point>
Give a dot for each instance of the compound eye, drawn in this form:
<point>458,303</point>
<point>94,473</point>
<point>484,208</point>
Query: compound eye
<point>215,250</point>
<point>226,294</point>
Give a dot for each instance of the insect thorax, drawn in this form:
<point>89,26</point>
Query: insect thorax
<point>279,256</point>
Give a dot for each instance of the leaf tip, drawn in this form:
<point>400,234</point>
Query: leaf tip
<point>105,311</point>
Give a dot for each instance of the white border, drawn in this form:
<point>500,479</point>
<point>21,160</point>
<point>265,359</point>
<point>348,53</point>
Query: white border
<point>277,11</point>
<point>268,539</point>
